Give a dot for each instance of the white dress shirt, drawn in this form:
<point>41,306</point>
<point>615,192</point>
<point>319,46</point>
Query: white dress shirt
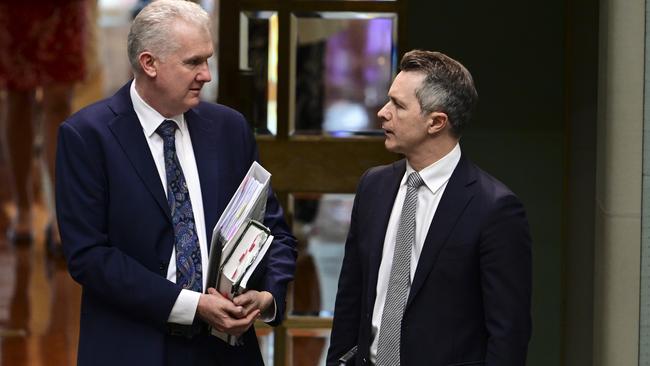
<point>185,306</point>
<point>435,178</point>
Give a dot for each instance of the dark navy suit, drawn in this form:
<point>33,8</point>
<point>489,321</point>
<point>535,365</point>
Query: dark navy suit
<point>469,302</point>
<point>117,233</point>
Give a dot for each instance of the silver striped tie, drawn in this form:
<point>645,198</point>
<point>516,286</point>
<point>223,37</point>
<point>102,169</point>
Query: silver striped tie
<point>388,347</point>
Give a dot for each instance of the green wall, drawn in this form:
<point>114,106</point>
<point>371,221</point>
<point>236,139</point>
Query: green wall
<point>516,52</point>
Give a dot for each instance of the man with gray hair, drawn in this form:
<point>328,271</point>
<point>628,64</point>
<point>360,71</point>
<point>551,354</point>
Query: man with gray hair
<point>437,267</point>
<point>141,179</point>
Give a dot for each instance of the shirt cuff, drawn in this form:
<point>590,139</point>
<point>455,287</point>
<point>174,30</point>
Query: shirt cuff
<point>184,308</point>
<point>270,313</point>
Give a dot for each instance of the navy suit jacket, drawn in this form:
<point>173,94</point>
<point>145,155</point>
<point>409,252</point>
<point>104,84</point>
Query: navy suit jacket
<point>117,233</point>
<point>469,302</point>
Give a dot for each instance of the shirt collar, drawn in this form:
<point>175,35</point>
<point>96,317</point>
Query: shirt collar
<point>149,118</point>
<point>438,173</point>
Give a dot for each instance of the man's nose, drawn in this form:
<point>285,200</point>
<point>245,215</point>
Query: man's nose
<point>204,73</point>
<point>384,113</point>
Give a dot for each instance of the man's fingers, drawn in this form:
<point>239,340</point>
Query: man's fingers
<point>244,299</point>
<point>245,321</point>
<point>227,305</point>
<point>249,301</point>
<point>238,326</point>
<point>233,310</point>
<point>241,325</point>
<point>252,316</point>
<point>213,291</point>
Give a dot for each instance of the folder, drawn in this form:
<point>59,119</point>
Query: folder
<point>242,238</point>
<point>244,255</point>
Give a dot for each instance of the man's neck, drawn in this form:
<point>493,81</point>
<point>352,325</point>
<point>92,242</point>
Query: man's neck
<point>143,91</point>
<point>432,153</point>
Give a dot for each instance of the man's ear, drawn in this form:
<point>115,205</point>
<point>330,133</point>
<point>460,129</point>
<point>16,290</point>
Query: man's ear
<point>148,64</point>
<point>437,122</point>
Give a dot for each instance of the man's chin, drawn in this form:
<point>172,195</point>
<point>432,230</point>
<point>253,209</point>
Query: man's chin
<point>193,102</point>
<point>391,146</point>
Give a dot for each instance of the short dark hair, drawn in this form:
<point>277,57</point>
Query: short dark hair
<point>447,87</point>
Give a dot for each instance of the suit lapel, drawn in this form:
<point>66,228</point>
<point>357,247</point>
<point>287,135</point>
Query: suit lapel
<point>456,197</point>
<point>205,143</point>
<point>383,195</point>
<point>128,131</point>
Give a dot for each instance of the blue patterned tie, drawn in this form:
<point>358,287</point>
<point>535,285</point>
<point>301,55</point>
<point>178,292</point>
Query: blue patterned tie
<point>188,252</point>
<point>390,333</point>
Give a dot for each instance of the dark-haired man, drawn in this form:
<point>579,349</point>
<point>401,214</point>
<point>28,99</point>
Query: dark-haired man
<point>437,267</point>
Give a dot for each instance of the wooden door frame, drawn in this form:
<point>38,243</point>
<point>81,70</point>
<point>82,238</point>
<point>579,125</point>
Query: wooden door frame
<point>299,164</point>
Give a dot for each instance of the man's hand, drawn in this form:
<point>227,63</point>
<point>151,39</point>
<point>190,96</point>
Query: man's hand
<point>224,315</point>
<point>252,300</point>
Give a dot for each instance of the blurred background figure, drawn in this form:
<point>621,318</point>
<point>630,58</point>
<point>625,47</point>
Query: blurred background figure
<point>42,45</point>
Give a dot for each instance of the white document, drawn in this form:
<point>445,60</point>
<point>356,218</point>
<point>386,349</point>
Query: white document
<point>242,237</point>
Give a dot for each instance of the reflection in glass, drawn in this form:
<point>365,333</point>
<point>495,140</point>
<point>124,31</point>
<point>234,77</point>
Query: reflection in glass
<point>258,70</point>
<point>309,346</point>
<point>344,63</point>
<point>320,222</point>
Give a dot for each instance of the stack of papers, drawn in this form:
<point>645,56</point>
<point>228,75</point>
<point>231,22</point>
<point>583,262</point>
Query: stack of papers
<point>243,202</point>
<point>248,202</point>
<point>242,237</point>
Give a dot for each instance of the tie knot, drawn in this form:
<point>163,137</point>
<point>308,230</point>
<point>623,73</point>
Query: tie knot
<point>414,180</point>
<point>167,129</point>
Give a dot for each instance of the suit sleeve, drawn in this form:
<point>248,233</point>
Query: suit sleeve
<point>347,310</point>
<point>113,277</point>
<point>281,257</point>
<point>506,281</point>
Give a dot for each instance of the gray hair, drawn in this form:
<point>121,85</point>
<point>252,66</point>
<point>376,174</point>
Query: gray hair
<point>447,87</point>
<point>151,28</point>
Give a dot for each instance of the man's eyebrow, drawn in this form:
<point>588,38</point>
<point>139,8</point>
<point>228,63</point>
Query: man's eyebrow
<point>395,100</point>
<point>198,57</point>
